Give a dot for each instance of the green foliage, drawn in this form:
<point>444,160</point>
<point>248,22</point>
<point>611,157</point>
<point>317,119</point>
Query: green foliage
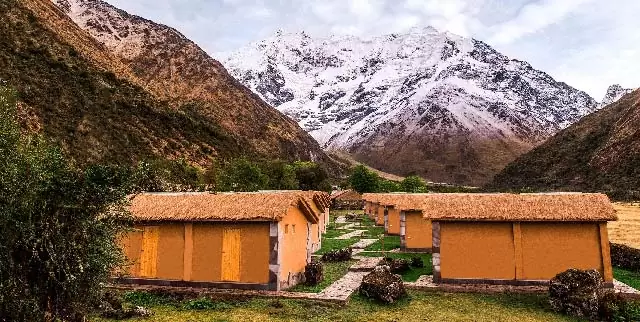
<point>59,226</point>
<point>311,176</point>
<point>364,180</point>
<point>242,175</point>
<point>282,176</point>
<point>388,186</point>
<point>140,298</point>
<point>413,184</point>
<point>204,303</point>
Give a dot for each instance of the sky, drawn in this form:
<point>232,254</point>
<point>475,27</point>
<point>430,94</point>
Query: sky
<point>589,44</point>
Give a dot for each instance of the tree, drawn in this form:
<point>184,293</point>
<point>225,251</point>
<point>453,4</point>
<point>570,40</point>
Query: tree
<point>242,175</point>
<point>388,186</point>
<point>364,180</point>
<point>311,176</point>
<point>413,184</point>
<point>282,176</point>
<point>59,226</point>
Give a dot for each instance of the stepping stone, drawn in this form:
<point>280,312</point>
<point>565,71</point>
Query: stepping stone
<point>354,233</point>
<point>620,287</point>
<point>341,220</point>
<point>342,288</point>
<point>363,243</point>
<point>365,264</point>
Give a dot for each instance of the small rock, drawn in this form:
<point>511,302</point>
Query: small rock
<point>577,292</point>
<point>383,285</point>
<point>339,255</point>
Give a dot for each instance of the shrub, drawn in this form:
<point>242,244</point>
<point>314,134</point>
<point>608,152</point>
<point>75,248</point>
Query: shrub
<point>577,292</point>
<point>340,255</point>
<point>313,273</point>
<point>615,308</point>
<point>397,265</point>
<point>625,257</point>
<point>417,262</point>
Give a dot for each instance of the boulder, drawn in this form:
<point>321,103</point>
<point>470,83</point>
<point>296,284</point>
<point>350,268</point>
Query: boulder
<point>339,255</point>
<point>313,273</point>
<point>577,292</point>
<point>381,284</point>
<point>396,266</point>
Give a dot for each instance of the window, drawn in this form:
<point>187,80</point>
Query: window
<point>293,229</point>
<point>286,229</point>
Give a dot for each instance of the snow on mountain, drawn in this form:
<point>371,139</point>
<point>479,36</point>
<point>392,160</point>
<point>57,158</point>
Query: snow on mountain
<point>614,93</point>
<point>425,102</point>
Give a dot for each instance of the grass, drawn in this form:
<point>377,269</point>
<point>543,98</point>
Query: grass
<point>333,233</point>
<point>418,307</point>
<point>329,244</point>
<point>332,272</point>
<point>628,277</point>
<point>390,242</point>
<point>414,273</point>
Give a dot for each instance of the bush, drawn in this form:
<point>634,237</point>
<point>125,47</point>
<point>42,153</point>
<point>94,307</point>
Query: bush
<point>59,227</point>
<point>313,273</point>
<point>624,256</point>
<point>417,262</point>
<point>382,285</point>
<point>340,255</point>
<point>397,265</point>
<point>615,308</point>
<point>413,184</point>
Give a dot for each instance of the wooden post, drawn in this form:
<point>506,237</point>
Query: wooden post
<point>517,245</point>
<point>188,252</point>
<point>606,253</point>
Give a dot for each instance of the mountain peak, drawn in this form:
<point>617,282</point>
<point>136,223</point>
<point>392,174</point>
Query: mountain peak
<point>614,93</point>
<point>455,106</point>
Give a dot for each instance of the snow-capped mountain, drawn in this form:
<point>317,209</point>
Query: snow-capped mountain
<point>614,93</point>
<point>426,102</point>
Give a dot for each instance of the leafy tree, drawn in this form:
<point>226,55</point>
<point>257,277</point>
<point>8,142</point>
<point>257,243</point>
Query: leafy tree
<point>364,180</point>
<point>388,186</point>
<point>59,226</point>
<point>242,175</point>
<point>311,176</point>
<point>413,184</point>
<point>282,176</point>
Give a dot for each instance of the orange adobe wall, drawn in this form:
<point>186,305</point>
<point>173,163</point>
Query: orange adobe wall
<point>131,244</point>
<point>394,221</point>
<point>559,246</point>
<point>531,251</point>
<point>418,232</point>
<point>476,250</point>
<point>170,251</point>
<point>293,245</point>
<point>207,252</point>
<point>379,215</point>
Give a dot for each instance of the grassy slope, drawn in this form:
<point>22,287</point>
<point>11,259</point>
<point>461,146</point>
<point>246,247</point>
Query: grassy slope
<point>420,307</point>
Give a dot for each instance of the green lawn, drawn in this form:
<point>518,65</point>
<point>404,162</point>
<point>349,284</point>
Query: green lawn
<point>390,242</point>
<point>413,274</point>
<point>333,233</point>
<point>329,244</point>
<point>419,307</point>
<point>332,272</point>
<point>628,277</point>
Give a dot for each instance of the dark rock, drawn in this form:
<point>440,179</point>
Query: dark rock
<point>417,262</point>
<point>396,266</point>
<point>383,285</point>
<point>625,256</point>
<point>577,292</point>
<point>313,273</point>
<point>339,255</point>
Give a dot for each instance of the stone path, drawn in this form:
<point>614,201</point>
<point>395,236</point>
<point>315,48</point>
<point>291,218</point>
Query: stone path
<point>365,264</point>
<point>623,288</point>
<point>341,289</point>
<point>363,243</point>
<point>341,220</point>
<point>352,234</point>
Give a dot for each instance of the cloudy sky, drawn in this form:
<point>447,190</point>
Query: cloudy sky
<point>588,44</point>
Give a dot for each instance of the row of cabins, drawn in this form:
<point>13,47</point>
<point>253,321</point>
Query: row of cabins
<point>520,239</point>
<point>259,240</point>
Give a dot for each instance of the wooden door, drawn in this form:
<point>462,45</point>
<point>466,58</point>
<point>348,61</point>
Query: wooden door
<point>231,254</point>
<point>149,251</point>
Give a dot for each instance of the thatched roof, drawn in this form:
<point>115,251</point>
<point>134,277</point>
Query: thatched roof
<point>348,194</point>
<point>218,207</point>
<point>320,198</point>
<point>378,197</point>
<point>517,207</point>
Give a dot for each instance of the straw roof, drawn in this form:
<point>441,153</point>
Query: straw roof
<point>517,207</point>
<point>348,194</point>
<point>218,207</point>
<point>320,198</point>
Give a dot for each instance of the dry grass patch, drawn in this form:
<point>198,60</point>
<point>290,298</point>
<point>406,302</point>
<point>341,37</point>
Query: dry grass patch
<point>627,229</point>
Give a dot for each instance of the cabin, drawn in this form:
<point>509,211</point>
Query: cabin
<point>519,239</point>
<point>414,230</point>
<point>260,241</point>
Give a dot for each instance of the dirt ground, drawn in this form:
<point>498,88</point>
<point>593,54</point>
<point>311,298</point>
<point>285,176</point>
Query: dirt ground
<point>627,229</point>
